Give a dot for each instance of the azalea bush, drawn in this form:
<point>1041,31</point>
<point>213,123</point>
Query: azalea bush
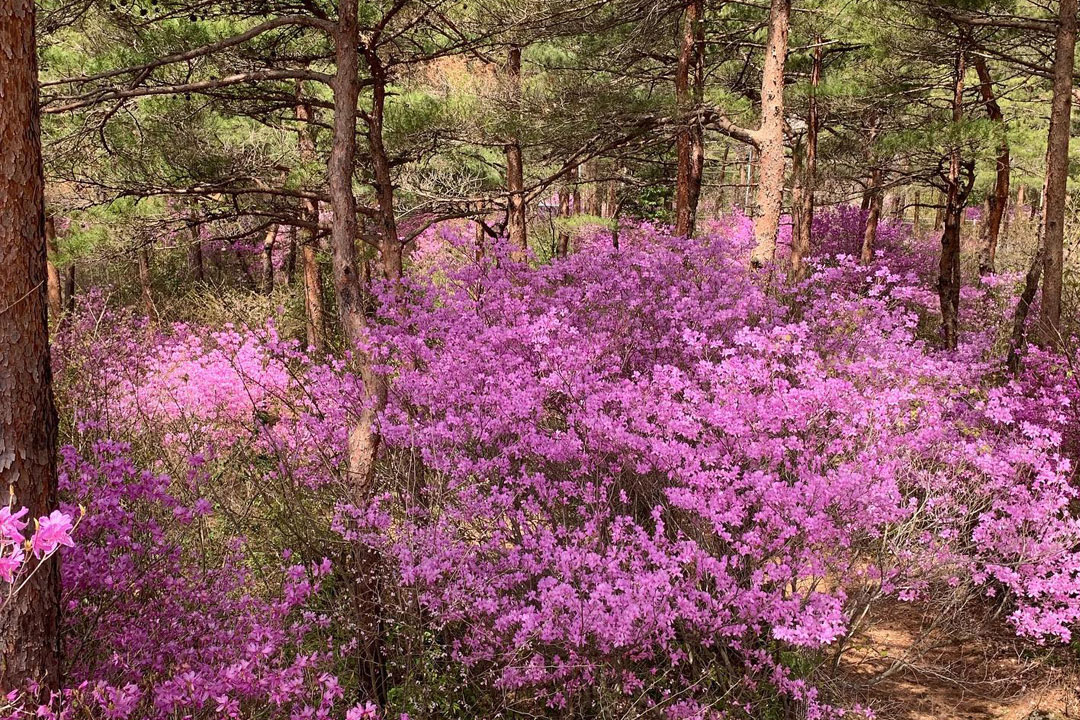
<point>639,480</point>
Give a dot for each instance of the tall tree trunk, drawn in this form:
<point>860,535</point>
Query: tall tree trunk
<point>689,93</point>
<point>800,246</point>
<point>142,261</point>
<point>873,217</point>
<point>917,220</point>
<point>515,171</point>
<point>55,303</point>
<point>390,249</point>
<point>955,197</point>
<point>30,622</point>
<point>268,260</point>
<point>363,439</point>
<point>770,195</point>
<point>562,241</point>
<point>997,200</point>
<point>1057,175</point>
<point>314,307</point>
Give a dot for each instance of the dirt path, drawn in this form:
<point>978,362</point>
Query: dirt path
<point>973,670</point>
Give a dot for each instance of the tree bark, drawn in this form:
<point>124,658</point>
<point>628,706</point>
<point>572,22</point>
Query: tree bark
<point>999,198</point>
<point>689,94</point>
<point>873,217</point>
<point>955,198</point>
<point>1017,339</point>
<point>142,261</point>
<point>30,622</point>
<point>1057,175</point>
<point>770,195</point>
<point>315,316</point>
<point>800,246</point>
<point>69,288</point>
<point>515,173</point>
<point>55,302</point>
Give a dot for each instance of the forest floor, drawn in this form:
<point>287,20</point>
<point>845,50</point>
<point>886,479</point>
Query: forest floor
<point>973,670</point>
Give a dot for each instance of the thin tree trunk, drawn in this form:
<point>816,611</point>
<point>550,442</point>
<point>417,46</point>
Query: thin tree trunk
<point>562,243</point>
<point>55,303</point>
<point>956,195</point>
<point>290,256</point>
<point>1057,175</point>
<point>873,217</point>
<point>800,246</point>
<point>69,288</point>
<point>515,173</point>
<point>1017,339</point>
<point>268,260</point>
<point>689,93</point>
<point>916,221</point>
<point>314,306</point>
<point>142,258</point>
<point>30,621</point>
<point>770,195</point>
<point>195,252</point>
<point>997,200</point>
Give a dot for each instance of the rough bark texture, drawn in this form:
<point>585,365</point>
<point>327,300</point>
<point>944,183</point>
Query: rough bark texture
<point>689,93</point>
<point>957,188</point>
<point>515,172</point>
<point>800,246</point>
<point>29,623</point>
<point>770,194</point>
<point>55,303</point>
<point>1057,174</point>
<point>999,198</point>
<point>873,216</point>
<point>363,438</point>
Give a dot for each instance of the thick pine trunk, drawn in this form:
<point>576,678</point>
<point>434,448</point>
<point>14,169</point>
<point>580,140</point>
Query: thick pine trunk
<point>1057,175</point>
<point>770,194</point>
<point>999,198</point>
<point>30,621</point>
<point>515,171</point>
<point>689,93</point>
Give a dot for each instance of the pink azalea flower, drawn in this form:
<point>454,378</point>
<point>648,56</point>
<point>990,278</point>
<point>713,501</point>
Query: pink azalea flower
<point>52,532</point>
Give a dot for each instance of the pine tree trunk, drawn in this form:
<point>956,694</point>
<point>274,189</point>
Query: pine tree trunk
<point>30,622</point>
<point>314,307</point>
<point>866,255</point>
<point>771,166</point>
<point>800,246</point>
<point>949,265</point>
<point>142,261</point>
<point>69,288</point>
<point>689,93</point>
<point>515,173</point>
<point>1057,175</point>
<point>997,200</point>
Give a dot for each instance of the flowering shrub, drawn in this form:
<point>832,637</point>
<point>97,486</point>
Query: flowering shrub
<point>634,480</point>
<point>51,532</point>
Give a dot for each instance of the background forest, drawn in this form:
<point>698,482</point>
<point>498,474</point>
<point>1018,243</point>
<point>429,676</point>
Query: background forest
<point>475,359</point>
